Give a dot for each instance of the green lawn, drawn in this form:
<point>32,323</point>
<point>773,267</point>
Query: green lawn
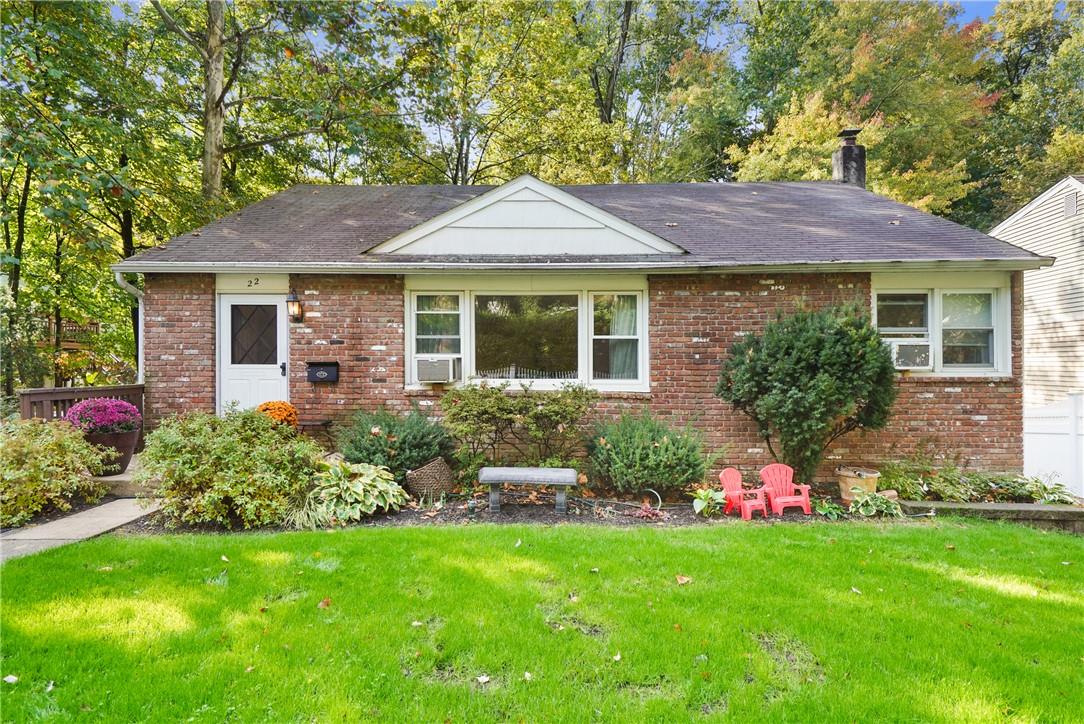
<point>945,621</point>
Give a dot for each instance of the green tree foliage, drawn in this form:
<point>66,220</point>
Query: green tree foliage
<point>112,141</point>
<point>808,379</point>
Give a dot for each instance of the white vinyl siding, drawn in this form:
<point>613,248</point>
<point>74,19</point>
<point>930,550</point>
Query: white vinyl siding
<point>1053,296</point>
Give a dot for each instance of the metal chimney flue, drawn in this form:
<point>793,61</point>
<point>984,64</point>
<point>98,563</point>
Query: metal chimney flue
<point>849,160</point>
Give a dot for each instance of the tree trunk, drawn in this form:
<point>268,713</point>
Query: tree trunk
<point>214,111</point>
<point>14,279</point>
<point>58,318</point>
<point>127,240</point>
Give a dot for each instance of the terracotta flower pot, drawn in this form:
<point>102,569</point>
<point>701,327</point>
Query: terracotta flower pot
<point>123,443</point>
<point>851,478</point>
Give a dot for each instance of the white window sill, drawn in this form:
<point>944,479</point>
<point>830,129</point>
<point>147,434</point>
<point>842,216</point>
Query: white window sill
<point>538,385</point>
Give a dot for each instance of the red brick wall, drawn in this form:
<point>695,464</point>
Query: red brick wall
<point>178,344</point>
<point>357,320</point>
<point>693,320</point>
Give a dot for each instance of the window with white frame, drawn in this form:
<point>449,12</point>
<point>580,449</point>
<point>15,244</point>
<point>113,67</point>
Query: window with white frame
<point>944,331</point>
<point>544,337</point>
<point>615,337</point>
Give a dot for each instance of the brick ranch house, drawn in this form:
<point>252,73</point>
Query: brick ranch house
<point>636,290</point>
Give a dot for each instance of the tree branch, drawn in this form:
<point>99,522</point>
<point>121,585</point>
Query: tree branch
<point>176,28</point>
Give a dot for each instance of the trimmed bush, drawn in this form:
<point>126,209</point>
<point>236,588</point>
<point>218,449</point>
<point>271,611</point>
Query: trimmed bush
<point>45,465</point>
<point>639,451</point>
<point>240,469</point>
<point>809,379</point>
<point>397,442</point>
<point>495,425</point>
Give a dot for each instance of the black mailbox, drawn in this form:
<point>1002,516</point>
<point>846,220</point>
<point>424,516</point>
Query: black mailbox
<point>323,372</point>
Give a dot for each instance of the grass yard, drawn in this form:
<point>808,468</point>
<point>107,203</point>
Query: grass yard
<point>945,621</point>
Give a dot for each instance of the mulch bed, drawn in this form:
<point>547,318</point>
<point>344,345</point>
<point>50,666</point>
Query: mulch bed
<point>516,509</point>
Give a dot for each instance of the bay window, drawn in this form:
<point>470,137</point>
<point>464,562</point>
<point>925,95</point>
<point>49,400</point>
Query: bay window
<point>546,333</point>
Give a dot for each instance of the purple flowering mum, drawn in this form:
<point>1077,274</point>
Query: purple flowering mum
<point>103,414</point>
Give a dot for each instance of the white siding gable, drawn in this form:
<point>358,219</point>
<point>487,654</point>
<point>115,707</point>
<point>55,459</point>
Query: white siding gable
<point>526,217</point>
<point>1052,225</point>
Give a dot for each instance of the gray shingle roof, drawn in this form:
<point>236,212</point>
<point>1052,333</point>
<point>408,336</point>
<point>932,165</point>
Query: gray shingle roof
<point>718,224</point>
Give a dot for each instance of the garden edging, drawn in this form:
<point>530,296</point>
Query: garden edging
<point>1057,517</point>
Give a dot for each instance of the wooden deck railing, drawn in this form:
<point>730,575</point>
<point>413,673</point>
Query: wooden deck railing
<point>51,403</point>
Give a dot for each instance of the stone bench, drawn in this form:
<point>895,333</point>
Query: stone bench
<point>560,478</point>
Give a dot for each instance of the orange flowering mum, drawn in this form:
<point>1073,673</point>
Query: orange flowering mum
<point>280,411</point>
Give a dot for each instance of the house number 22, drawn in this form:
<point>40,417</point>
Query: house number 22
<point>254,282</point>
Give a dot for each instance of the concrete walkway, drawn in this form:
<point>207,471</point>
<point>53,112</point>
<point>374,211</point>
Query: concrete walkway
<point>80,526</point>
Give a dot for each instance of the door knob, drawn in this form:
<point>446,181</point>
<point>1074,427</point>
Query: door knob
<point>282,368</point>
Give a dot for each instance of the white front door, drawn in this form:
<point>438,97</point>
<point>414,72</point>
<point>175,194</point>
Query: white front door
<point>252,350</point>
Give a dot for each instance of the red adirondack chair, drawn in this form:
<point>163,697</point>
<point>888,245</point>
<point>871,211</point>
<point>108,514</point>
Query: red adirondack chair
<point>778,481</point>
<point>736,495</point>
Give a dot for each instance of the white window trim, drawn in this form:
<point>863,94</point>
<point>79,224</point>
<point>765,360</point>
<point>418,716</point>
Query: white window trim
<point>584,288</point>
<point>1001,314</point>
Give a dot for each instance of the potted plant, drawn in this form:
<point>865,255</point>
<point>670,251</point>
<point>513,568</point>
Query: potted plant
<point>856,482</point>
<point>109,423</point>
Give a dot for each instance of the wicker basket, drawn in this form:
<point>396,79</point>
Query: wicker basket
<point>431,480</point>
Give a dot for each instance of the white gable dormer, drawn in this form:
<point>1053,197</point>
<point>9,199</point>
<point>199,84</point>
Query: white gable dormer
<point>526,217</point>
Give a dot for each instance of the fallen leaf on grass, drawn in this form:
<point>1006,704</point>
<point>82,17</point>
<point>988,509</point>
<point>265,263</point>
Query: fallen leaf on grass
<point>11,678</point>
<point>49,687</point>
<point>573,597</point>
<point>682,580</point>
<point>855,590</point>
<point>326,603</point>
<point>950,547</point>
<point>594,570</point>
<point>105,569</point>
<point>483,679</point>
<point>416,624</point>
<point>518,543</point>
<point>617,656</point>
<point>249,669</point>
<point>263,609</point>
<point>227,560</point>
<point>527,676</point>
<point>677,626</point>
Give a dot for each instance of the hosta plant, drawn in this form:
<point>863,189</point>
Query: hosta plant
<point>345,493</point>
<point>708,501</point>
<point>869,505</point>
<point>829,509</point>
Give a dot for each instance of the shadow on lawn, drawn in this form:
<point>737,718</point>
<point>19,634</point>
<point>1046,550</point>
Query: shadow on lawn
<point>897,617</point>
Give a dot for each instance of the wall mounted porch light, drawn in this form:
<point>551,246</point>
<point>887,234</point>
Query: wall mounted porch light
<point>293,307</point>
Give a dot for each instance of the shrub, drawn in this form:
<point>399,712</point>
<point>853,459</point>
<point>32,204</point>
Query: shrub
<point>279,411</point>
<point>104,415</point>
<point>637,452</point>
<point>397,442</point>
<point>808,379</point>
<point>45,465</point>
<point>919,478</point>
<point>345,493</point>
<point>497,426</point>
<point>242,468</point>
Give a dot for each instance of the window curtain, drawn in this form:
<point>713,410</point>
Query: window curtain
<point>623,352</point>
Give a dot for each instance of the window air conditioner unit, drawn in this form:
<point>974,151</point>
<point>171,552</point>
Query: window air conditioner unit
<point>437,370</point>
<point>911,354</point>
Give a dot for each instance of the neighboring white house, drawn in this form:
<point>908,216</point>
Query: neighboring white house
<point>1052,225</point>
